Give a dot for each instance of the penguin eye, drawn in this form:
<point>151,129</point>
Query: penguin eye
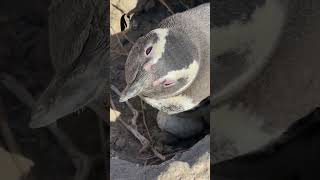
<point>148,50</point>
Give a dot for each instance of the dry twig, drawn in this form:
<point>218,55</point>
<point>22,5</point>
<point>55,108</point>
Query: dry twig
<point>166,5</point>
<point>119,9</point>
<point>119,41</point>
<point>133,110</point>
<point>128,39</point>
<point>144,141</point>
<point>144,120</point>
<point>119,53</point>
<point>184,5</point>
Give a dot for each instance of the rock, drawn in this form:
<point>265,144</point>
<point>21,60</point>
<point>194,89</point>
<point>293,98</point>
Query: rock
<point>192,164</point>
<point>14,166</point>
<point>114,114</point>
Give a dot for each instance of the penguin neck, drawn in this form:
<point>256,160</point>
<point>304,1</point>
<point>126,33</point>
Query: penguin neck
<point>199,89</point>
<point>248,36</point>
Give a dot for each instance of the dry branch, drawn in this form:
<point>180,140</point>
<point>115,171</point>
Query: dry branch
<point>144,141</point>
<point>133,110</point>
<point>166,5</point>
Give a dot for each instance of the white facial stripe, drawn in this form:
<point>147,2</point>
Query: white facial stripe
<point>180,100</point>
<point>189,73</point>
<point>159,47</point>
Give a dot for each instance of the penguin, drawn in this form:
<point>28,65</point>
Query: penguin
<point>246,34</point>
<point>169,68</point>
<point>299,144</point>
<point>79,64</point>
<point>265,73</point>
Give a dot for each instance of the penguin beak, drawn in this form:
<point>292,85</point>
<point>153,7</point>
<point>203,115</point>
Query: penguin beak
<point>132,90</point>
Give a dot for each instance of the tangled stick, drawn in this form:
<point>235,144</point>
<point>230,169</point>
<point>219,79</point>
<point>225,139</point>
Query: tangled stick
<point>145,125</point>
<point>143,140</point>
<point>184,5</point>
<point>144,119</point>
<point>128,39</point>
<point>133,110</point>
<point>163,2</point>
<point>119,41</point>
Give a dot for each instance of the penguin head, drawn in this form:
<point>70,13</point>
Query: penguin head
<point>161,64</point>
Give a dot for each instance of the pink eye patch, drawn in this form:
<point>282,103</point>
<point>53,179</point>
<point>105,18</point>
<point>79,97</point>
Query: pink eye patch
<point>165,82</point>
<point>168,83</point>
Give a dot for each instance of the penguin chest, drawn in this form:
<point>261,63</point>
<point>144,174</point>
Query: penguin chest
<point>246,131</point>
<point>172,105</point>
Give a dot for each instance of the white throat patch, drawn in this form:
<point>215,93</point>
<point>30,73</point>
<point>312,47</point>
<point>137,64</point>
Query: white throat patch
<point>159,47</point>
